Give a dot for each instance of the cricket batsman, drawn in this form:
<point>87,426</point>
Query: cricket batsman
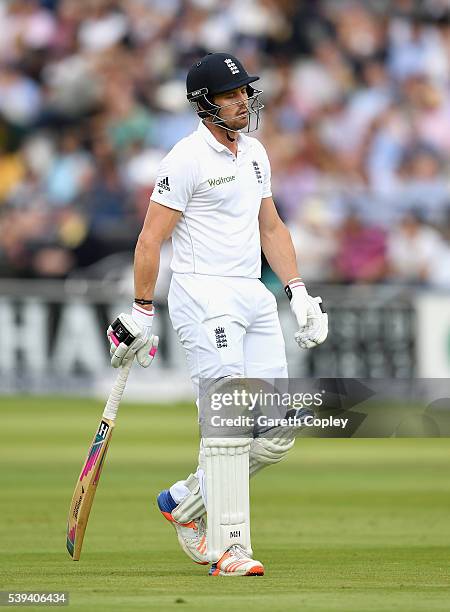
<point>213,197</point>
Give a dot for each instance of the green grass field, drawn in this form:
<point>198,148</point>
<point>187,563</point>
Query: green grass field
<point>349,525</point>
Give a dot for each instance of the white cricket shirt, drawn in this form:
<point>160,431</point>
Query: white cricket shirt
<point>220,197</point>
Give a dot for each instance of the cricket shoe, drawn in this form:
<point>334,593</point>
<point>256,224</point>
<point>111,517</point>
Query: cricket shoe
<point>236,562</point>
<point>191,536</point>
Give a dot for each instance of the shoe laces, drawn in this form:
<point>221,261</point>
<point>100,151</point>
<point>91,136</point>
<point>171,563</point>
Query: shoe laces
<point>200,524</point>
<point>199,527</point>
<point>237,551</point>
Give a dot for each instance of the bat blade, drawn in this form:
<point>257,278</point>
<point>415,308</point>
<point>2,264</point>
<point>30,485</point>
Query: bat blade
<point>86,487</point>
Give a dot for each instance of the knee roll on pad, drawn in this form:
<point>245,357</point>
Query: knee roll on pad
<point>270,450</point>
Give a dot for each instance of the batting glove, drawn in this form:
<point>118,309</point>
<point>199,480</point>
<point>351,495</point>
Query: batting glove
<point>311,319</point>
<point>130,335</point>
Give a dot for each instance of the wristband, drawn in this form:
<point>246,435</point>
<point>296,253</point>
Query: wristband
<point>292,284</point>
<point>143,302</point>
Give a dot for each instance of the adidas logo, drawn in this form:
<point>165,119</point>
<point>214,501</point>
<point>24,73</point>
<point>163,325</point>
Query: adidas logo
<point>164,184</point>
<point>232,66</point>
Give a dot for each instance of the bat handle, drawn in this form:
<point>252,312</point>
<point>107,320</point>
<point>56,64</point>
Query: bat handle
<point>112,405</point>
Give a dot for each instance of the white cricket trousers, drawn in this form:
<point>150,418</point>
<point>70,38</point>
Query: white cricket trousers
<point>228,326</point>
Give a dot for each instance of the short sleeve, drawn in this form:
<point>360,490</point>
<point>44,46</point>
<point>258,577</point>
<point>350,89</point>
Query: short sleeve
<point>176,180</point>
<point>267,174</point>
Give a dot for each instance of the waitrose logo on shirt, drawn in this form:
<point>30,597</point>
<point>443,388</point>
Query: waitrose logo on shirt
<point>221,180</point>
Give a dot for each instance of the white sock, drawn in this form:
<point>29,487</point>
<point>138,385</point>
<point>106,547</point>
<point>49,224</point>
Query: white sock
<point>179,491</point>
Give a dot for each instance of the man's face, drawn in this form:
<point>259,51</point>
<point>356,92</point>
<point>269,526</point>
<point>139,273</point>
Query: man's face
<point>235,116</point>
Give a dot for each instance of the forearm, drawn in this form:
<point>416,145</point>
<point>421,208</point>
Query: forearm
<point>280,253</point>
<point>146,267</point>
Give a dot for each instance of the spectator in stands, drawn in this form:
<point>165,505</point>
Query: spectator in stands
<point>314,236</point>
<point>70,170</point>
<point>361,252</point>
<point>422,184</point>
<point>415,251</point>
<point>357,112</point>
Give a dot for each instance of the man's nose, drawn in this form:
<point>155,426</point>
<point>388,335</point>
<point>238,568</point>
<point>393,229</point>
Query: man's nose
<point>243,99</point>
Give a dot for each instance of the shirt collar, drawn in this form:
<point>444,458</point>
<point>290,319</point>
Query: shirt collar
<point>211,140</point>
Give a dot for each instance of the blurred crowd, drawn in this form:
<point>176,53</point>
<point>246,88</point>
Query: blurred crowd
<point>356,123</point>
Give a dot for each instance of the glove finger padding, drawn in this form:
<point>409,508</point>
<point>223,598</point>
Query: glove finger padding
<point>316,328</point>
<point>147,352</point>
<point>303,341</point>
<point>123,352</point>
<point>125,338</point>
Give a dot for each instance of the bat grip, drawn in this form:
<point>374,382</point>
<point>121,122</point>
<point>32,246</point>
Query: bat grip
<point>112,405</point>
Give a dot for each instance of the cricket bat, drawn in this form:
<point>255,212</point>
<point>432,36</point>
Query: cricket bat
<point>87,483</point>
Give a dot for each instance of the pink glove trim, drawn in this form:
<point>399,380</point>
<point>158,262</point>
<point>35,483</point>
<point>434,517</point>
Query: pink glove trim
<point>153,350</point>
<point>114,338</point>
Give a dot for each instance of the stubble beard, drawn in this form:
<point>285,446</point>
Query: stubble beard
<point>237,123</point>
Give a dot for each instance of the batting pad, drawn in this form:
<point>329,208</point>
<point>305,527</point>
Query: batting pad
<point>227,486</point>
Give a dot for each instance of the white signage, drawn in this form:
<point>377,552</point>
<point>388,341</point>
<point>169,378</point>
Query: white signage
<point>433,335</point>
